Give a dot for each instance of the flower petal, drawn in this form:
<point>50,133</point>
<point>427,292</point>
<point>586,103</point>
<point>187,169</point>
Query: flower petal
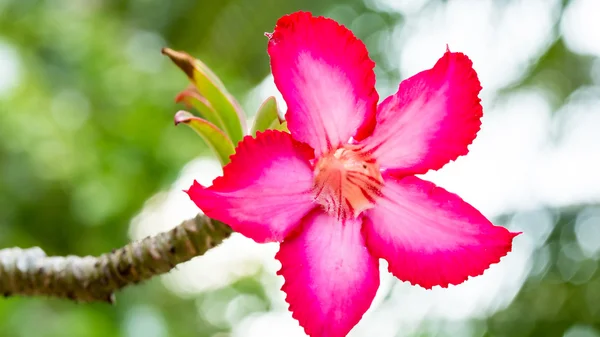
<point>430,236</point>
<point>326,78</point>
<point>264,191</point>
<point>330,276</point>
<point>431,120</point>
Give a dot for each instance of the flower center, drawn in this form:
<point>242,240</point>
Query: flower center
<point>347,182</point>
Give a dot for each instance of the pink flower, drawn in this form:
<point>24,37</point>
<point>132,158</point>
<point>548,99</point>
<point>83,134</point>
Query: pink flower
<point>340,192</point>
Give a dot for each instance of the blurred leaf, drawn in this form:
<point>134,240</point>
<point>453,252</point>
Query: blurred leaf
<point>193,99</point>
<point>214,138</point>
<point>265,117</point>
<point>211,88</point>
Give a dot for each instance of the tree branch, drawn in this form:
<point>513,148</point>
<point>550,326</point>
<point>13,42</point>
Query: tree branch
<point>29,272</point>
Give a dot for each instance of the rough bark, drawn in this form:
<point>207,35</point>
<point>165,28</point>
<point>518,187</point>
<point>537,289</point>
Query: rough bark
<point>29,272</point>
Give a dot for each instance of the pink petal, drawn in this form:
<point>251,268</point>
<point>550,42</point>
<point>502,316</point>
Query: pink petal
<point>431,120</point>
<point>330,276</point>
<point>430,236</point>
<point>264,191</point>
<point>326,78</point>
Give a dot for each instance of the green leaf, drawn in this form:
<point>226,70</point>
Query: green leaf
<point>214,138</point>
<point>266,115</point>
<point>192,98</point>
<point>210,87</point>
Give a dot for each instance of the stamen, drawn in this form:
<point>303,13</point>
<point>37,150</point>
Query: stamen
<point>347,182</point>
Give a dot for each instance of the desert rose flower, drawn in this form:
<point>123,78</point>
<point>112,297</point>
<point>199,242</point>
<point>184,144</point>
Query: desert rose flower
<point>340,192</point>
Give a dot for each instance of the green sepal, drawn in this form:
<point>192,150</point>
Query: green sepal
<point>216,139</point>
<point>192,99</point>
<point>281,126</point>
<point>212,89</point>
<point>266,115</point>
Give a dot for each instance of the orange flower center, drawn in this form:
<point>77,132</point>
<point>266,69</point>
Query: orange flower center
<point>347,182</point>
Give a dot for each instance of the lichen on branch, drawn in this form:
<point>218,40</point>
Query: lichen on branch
<point>29,272</point>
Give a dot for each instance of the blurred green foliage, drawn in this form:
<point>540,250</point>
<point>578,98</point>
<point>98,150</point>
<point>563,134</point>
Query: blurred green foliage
<point>87,136</point>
